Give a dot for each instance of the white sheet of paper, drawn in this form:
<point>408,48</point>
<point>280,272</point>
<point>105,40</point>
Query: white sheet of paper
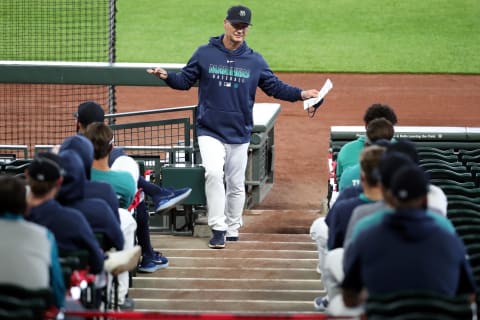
<point>327,86</point>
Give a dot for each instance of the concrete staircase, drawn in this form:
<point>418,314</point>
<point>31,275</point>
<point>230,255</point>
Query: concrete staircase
<point>264,272</point>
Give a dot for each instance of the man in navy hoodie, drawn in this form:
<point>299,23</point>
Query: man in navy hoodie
<point>97,212</point>
<point>70,228</point>
<point>228,72</point>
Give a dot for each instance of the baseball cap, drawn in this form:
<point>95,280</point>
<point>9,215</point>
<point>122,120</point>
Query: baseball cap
<point>45,167</point>
<point>409,182</point>
<point>406,147</point>
<point>389,163</point>
<point>88,112</point>
<point>239,14</point>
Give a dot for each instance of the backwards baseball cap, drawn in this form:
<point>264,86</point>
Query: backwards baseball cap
<point>45,167</point>
<point>409,182</point>
<point>88,112</point>
<point>239,14</point>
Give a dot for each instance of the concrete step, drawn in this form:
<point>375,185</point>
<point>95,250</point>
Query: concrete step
<point>237,273</point>
<point>224,305</point>
<point>227,283</point>
<point>270,270</point>
<point>189,261</point>
<point>225,294</point>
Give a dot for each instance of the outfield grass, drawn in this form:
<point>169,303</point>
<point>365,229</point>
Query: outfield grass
<point>421,36</point>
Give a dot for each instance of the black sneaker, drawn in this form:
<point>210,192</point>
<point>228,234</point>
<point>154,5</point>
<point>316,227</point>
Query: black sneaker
<point>218,240</point>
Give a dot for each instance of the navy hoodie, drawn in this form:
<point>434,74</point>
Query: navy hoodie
<point>71,230</point>
<point>97,212</point>
<point>93,189</point>
<point>227,86</point>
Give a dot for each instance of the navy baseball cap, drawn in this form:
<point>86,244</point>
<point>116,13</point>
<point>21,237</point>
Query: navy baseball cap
<point>88,112</point>
<point>239,14</point>
<point>45,167</point>
<point>389,164</point>
<point>409,182</point>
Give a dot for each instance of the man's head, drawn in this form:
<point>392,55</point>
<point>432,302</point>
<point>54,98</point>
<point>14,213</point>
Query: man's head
<point>83,147</point>
<point>13,197</point>
<point>406,147</point>
<point>369,159</point>
<point>102,139</point>
<point>378,110</point>
<point>387,166</point>
<point>410,187</point>
<point>236,25</point>
<point>379,129</point>
<point>88,112</point>
<point>44,173</point>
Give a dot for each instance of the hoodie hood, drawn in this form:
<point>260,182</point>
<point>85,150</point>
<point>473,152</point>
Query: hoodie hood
<point>83,147</point>
<point>217,42</point>
<point>411,224</point>
<point>73,186</point>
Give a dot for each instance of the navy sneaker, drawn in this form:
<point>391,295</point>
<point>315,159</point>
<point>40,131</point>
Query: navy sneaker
<point>149,266</point>
<point>218,240</point>
<point>232,239</point>
<point>321,303</point>
<point>172,199</point>
<point>160,259</point>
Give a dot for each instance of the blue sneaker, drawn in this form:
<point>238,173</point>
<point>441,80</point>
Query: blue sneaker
<point>173,199</point>
<point>160,259</point>
<point>150,265</point>
<point>218,240</point>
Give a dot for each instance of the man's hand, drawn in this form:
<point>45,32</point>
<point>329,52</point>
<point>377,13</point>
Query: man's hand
<point>307,94</point>
<point>159,73</point>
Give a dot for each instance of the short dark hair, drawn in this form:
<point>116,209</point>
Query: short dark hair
<point>378,110</point>
<point>379,128</point>
<point>13,195</point>
<point>102,139</point>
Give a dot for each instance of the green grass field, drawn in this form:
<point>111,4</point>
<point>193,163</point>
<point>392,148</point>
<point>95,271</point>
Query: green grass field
<point>421,36</point>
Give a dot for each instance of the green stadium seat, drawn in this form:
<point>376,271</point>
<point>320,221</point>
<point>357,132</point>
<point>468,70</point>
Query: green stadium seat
<point>461,222</point>
<point>444,162</point>
<point>447,182</point>
<point>438,156</point>
<point>475,171</point>
<point>17,167</point>
<point>456,189</point>
<point>446,152</point>
<point>440,165</point>
<point>468,229</point>
<point>17,302</point>
<point>463,213</point>
<point>462,205</point>
<point>418,305</point>
<point>470,158</point>
<point>458,197</point>
<point>449,175</point>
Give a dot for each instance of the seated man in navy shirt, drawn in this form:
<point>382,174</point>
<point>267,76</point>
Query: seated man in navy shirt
<point>405,250</point>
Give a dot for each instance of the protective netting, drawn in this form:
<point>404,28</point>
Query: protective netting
<point>52,30</point>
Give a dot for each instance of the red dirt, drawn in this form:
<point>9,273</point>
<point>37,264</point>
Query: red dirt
<point>301,143</point>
